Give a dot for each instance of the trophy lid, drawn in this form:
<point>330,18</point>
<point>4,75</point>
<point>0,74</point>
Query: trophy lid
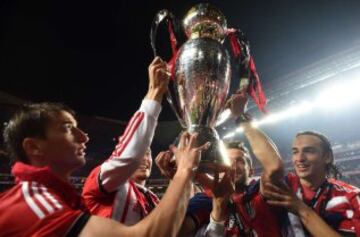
<point>205,20</point>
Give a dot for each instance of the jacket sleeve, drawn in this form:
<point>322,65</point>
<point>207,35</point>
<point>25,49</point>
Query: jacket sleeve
<point>131,147</point>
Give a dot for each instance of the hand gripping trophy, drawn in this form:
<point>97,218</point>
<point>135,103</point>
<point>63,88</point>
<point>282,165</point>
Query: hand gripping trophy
<point>201,73</point>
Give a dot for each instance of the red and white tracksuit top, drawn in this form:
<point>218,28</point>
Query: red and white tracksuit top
<point>112,176</point>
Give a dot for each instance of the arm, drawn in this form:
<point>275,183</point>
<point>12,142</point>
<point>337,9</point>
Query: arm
<point>203,208</point>
<point>262,146</point>
<point>139,132</point>
<point>314,223</point>
<point>131,147</point>
<point>283,196</point>
<point>222,191</point>
<point>215,229</point>
<point>265,152</point>
<point>166,218</point>
<point>162,221</point>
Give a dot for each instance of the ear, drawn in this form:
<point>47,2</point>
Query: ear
<point>32,147</point>
<point>329,158</point>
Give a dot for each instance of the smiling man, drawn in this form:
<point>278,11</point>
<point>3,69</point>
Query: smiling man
<point>142,200</point>
<point>318,203</point>
<point>144,170</point>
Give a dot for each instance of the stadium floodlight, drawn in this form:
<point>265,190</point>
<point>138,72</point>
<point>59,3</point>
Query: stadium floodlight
<point>335,97</point>
<point>339,95</point>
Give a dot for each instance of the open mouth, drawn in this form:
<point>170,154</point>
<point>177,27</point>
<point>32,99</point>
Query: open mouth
<point>302,167</point>
<point>143,167</point>
<point>81,151</point>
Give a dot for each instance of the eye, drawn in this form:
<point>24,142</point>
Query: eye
<point>310,150</point>
<point>68,127</point>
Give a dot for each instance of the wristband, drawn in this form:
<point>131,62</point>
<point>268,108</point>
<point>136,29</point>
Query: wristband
<point>216,222</point>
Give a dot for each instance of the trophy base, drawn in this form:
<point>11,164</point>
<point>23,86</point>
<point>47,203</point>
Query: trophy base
<point>214,159</point>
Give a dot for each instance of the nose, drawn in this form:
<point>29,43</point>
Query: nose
<point>81,136</point>
<point>300,156</point>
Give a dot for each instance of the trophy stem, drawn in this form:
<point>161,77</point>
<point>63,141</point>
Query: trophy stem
<point>214,159</point>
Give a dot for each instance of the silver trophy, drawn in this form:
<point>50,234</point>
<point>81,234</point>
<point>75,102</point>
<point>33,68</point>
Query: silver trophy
<point>201,74</point>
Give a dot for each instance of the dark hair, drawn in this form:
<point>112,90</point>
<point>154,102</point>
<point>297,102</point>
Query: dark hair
<point>30,120</point>
<point>242,147</point>
<point>331,170</point>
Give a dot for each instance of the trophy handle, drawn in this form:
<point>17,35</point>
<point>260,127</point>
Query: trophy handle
<point>249,78</point>
<point>173,27</point>
<point>175,34</point>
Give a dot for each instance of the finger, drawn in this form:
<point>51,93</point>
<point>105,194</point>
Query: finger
<point>173,148</point>
<point>166,164</point>
<point>160,71</point>
<point>276,203</point>
<point>153,64</point>
<point>156,60</point>
<point>274,188</point>
<point>183,139</point>
<point>172,162</point>
<point>284,186</point>
<point>159,157</point>
<point>193,139</point>
<point>164,64</point>
<point>164,74</point>
<point>204,147</point>
<point>167,155</point>
<point>274,195</point>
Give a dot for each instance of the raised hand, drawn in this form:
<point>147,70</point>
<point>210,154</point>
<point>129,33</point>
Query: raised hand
<point>166,164</point>
<point>158,79</point>
<point>282,196</point>
<point>237,103</point>
<point>188,153</point>
<point>222,188</point>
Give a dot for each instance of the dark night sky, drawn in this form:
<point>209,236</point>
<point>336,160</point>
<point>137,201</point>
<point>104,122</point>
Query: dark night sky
<point>94,55</point>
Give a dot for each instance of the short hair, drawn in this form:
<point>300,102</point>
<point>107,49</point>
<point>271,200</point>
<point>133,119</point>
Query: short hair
<point>30,120</point>
<point>242,147</point>
<point>331,169</point>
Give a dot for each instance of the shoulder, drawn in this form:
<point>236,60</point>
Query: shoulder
<point>341,186</point>
<point>41,199</point>
<point>343,195</point>
<point>38,207</point>
<point>92,179</point>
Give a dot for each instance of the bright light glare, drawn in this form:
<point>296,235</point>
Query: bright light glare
<point>223,153</point>
<point>335,97</point>
<point>338,96</point>
<point>223,117</point>
<point>230,134</point>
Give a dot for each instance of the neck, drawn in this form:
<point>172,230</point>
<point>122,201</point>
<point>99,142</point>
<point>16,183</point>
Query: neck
<point>314,182</point>
<point>62,174</point>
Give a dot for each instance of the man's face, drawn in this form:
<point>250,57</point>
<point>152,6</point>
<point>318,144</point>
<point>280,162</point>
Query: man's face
<point>64,145</point>
<point>240,166</point>
<point>144,170</point>
<point>308,157</point>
